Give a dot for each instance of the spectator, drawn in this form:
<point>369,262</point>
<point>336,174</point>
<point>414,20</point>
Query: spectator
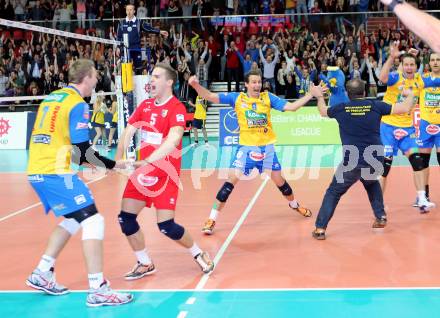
<point>3,83</point>
<point>19,9</point>
<point>81,13</point>
<point>232,67</point>
<point>65,19</point>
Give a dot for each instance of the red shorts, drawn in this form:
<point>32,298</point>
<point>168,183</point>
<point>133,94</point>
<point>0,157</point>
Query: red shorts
<point>158,191</point>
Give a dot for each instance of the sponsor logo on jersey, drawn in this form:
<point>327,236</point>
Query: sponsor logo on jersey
<point>257,156</point>
<point>147,181</point>
<point>255,119</point>
<point>53,118</point>
<point>82,126</point>
<point>238,164</point>
<point>80,199</point>
<point>180,117</point>
<point>433,129</point>
<point>400,133</point>
<point>164,112</point>
<point>41,139</point>
<point>55,97</point>
<point>59,207</point>
<point>36,178</point>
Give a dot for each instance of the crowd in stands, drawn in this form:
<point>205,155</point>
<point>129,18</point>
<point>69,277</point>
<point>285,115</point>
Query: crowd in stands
<point>291,51</point>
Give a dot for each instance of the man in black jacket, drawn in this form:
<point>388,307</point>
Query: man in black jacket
<point>363,152</point>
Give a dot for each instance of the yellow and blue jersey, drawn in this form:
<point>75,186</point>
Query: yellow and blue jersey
<point>253,115</point>
<point>430,99</point>
<point>201,106</point>
<point>115,117</point>
<point>98,116</point>
<point>396,84</point>
<point>62,120</point>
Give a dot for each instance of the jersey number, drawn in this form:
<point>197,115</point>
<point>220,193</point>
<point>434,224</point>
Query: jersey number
<point>45,111</point>
<point>153,119</point>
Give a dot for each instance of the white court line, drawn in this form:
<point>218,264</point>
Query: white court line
<point>37,204</point>
<point>225,245</point>
<point>234,231</point>
<point>23,291</point>
<point>191,301</point>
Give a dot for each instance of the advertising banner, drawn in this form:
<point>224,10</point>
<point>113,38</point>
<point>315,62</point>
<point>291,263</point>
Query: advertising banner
<point>303,127</point>
<point>13,130</point>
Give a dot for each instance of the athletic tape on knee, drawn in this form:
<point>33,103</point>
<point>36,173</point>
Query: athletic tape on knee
<point>93,227</point>
<point>70,225</point>
<point>387,163</point>
<point>416,161</point>
<point>225,191</point>
<point>171,229</point>
<point>129,224</point>
<point>285,189</point>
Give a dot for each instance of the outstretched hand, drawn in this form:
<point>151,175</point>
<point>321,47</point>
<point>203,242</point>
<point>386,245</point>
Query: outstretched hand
<point>193,81</point>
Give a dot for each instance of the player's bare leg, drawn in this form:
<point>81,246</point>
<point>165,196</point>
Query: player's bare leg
<point>221,198</point>
<point>287,192</point>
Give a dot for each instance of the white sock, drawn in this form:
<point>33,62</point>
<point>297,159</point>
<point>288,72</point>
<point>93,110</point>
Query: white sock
<point>294,204</point>
<point>95,280</point>
<point>195,250</point>
<point>143,257</point>
<point>421,195</point>
<point>213,215</point>
<point>46,263</point>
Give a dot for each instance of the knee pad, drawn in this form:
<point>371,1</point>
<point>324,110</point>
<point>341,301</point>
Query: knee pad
<point>93,227</point>
<point>426,157</point>
<point>285,189</point>
<point>225,191</point>
<point>82,214</point>
<point>387,162</point>
<point>128,223</point>
<point>416,161</point>
<point>70,225</point>
<point>171,229</point>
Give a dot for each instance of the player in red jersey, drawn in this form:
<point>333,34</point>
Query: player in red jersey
<point>155,182</point>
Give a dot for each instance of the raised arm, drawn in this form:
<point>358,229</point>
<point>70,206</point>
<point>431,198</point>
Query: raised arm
<point>294,106</point>
<point>385,71</point>
<point>203,92</point>
<point>422,24</point>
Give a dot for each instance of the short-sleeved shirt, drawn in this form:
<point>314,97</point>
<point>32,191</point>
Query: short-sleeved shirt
<point>359,124</point>
<point>397,82</point>
<point>430,99</point>
<point>253,115</point>
<point>155,122</point>
<point>62,120</point>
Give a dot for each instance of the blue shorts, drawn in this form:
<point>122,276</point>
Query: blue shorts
<point>429,135</point>
<point>261,157</point>
<point>63,194</point>
<point>395,138</point>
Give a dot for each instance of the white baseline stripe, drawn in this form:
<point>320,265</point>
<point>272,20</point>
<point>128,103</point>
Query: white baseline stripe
<point>37,204</point>
<point>24,291</point>
<point>182,314</point>
<point>234,231</point>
